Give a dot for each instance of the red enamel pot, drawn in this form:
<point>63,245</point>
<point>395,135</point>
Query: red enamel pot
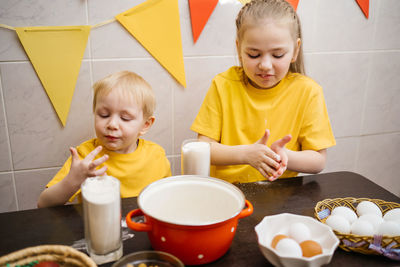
<point>192,217</point>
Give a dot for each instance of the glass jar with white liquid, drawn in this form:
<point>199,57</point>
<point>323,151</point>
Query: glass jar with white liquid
<point>102,218</point>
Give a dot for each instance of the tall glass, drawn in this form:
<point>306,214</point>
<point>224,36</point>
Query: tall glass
<point>195,157</point>
<point>102,218</point>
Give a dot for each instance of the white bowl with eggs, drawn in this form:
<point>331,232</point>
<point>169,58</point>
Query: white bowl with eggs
<point>292,226</point>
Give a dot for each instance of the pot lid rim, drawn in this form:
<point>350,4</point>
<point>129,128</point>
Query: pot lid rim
<point>194,178</point>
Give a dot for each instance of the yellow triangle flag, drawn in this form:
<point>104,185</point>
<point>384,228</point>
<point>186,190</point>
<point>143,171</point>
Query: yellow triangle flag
<point>56,54</point>
<point>155,24</point>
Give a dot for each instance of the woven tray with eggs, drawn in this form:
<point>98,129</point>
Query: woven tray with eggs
<point>367,226</point>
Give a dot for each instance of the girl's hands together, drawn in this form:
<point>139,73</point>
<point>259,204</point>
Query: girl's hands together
<point>279,148</point>
<point>270,162</point>
<point>81,169</point>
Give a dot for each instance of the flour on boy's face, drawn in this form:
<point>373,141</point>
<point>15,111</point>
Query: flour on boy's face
<point>118,122</point>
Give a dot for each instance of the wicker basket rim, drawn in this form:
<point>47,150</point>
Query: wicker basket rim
<point>59,252</point>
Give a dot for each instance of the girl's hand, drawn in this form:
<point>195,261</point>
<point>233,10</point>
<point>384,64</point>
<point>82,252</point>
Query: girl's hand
<point>279,148</point>
<point>81,169</point>
<point>264,159</point>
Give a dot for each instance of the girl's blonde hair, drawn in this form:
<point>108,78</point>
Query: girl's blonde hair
<point>279,10</point>
<point>127,84</point>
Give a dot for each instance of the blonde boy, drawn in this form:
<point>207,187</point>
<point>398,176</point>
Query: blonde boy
<point>123,107</point>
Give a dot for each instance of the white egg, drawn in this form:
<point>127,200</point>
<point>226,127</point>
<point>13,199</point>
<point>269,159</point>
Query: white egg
<point>368,207</point>
<point>299,232</point>
<point>389,228</point>
<point>338,223</point>
<point>392,215</point>
<point>345,212</point>
<point>374,219</point>
<point>289,247</point>
<point>362,227</point>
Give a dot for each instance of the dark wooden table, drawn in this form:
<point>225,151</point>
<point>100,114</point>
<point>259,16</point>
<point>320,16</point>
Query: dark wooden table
<point>64,225</point>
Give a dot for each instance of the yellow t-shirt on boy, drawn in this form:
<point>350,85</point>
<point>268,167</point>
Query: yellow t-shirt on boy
<point>235,113</point>
<point>135,170</point>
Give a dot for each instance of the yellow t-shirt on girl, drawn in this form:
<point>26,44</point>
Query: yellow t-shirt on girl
<point>235,113</point>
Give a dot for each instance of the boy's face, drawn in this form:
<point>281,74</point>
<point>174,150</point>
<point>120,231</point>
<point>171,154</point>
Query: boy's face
<point>119,122</point>
<point>266,51</point>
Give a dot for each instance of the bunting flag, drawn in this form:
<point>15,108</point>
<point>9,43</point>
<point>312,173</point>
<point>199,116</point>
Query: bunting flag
<point>364,5</point>
<point>56,54</point>
<point>294,3</point>
<point>200,12</point>
<point>155,24</point>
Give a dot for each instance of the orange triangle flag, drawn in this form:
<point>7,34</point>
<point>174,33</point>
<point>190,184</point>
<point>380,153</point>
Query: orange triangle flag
<point>56,54</point>
<point>155,24</point>
<point>294,3</point>
<point>364,5</point>
<point>200,12</point>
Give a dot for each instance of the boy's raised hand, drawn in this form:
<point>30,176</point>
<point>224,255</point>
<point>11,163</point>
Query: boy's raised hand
<point>81,169</point>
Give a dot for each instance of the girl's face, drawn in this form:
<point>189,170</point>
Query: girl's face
<point>119,122</point>
<point>266,51</point>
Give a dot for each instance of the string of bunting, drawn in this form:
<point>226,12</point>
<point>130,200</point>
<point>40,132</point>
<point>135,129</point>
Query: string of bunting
<point>56,52</point>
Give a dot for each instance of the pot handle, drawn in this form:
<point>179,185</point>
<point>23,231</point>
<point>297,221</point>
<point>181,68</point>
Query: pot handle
<point>140,227</point>
<point>246,212</point>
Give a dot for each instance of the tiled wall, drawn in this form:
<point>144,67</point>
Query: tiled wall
<point>356,60</point>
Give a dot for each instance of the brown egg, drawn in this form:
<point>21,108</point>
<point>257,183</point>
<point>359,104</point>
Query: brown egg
<point>276,239</point>
<point>310,248</point>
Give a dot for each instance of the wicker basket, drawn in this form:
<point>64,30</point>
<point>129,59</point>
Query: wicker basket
<point>379,245</point>
<point>63,255</point>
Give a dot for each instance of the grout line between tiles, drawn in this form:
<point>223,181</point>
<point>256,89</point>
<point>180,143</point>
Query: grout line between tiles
<point>8,143</point>
<point>210,56</point>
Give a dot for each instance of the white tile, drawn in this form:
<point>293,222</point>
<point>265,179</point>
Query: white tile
<point>113,41</point>
<point>342,157</point>
<point>387,29</point>
<point>102,10</point>
<point>344,84</point>
<point>163,85</point>
<point>382,109</point>
<point>306,11</point>
<point>341,26</point>
<point>30,184</point>
<point>35,13</point>
<point>187,101</point>
<point>175,165</point>
<point>36,134</point>
<point>7,195</point>
<point>378,160</point>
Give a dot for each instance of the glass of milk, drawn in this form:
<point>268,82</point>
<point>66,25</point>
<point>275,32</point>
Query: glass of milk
<point>102,218</point>
<point>195,157</point>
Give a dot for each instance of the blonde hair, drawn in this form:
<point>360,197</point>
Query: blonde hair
<point>279,10</point>
<point>128,84</point>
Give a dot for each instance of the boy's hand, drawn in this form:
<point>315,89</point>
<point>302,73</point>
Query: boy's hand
<point>81,169</point>
<point>263,158</point>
